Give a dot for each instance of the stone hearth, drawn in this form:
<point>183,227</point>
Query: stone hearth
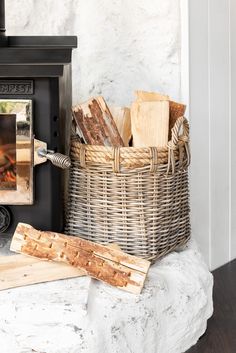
<point>83,315</point>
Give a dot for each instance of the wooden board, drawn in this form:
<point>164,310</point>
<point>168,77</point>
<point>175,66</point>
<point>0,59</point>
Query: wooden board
<point>95,124</point>
<point>123,122</point>
<point>101,262</point>
<point>150,123</point>
<point>21,270</point>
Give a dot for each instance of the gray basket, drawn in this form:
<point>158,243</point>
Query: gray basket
<point>135,197</point>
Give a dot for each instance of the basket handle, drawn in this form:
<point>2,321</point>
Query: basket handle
<point>176,138</point>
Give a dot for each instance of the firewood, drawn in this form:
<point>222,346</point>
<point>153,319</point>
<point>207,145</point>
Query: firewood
<point>95,124</point>
<point>176,111</point>
<point>150,123</point>
<point>21,270</point>
<point>143,96</point>
<point>122,119</point>
<point>101,262</point>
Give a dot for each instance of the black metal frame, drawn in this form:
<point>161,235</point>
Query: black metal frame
<point>45,60</point>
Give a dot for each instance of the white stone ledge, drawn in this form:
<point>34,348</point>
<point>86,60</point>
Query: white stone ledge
<point>83,315</point>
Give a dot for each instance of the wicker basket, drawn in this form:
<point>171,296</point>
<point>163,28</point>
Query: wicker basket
<point>135,197</point>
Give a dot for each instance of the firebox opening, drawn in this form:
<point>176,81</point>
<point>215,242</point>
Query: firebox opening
<point>8,152</point>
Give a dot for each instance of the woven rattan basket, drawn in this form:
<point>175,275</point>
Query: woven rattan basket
<point>135,197</point>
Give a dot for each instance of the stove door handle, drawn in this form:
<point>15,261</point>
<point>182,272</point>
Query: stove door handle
<point>59,160</point>
<point>42,154</point>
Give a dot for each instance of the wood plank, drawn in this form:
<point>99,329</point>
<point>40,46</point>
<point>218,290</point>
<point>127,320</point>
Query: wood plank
<point>150,123</point>
<point>101,262</point>
<point>21,270</point>
<point>121,116</point>
<point>95,124</point>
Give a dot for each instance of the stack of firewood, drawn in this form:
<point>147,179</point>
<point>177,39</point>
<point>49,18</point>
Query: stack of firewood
<point>148,122</point>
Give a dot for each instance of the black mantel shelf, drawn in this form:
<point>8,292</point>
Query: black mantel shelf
<point>37,69</point>
<point>43,42</point>
<point>36,55</point>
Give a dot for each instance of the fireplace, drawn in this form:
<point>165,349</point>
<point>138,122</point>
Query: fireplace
<point>35,101</point>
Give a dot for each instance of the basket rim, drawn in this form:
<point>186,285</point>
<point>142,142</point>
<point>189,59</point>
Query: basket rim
<point>176,139</point>
<point>177,149</point>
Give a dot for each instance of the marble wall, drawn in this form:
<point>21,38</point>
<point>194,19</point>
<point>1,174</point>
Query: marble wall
<point>123,44</point>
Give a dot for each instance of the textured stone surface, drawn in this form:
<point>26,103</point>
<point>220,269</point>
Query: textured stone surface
<point>83,315</point>
<point>123,44</point>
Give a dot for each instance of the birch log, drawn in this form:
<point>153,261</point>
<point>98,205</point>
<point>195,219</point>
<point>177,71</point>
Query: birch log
<point>95,123</point>
<point>121,116</point>
<point>150,123</point>
<point>101,262</point>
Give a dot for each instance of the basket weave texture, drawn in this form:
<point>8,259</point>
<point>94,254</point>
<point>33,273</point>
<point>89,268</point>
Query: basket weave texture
<point>135,197</point>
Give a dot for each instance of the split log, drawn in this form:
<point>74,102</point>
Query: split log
<point>101,262</point>
<point>176,109</point>
<point>21,270</point>
<point>150,123</point>
<point>122,119</point>
<point>95,124</point>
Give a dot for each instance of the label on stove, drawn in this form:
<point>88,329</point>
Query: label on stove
<point>16,87</point>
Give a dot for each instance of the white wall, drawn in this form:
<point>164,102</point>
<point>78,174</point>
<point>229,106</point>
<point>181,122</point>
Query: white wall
<point>123,44</point>
<point>213,127</point>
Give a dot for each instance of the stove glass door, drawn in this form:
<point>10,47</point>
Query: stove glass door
<point>16,152</point>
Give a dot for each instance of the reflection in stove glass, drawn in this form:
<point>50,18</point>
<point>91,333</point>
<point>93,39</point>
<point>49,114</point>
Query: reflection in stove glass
<point>7,151</point>
<point>16,152</point>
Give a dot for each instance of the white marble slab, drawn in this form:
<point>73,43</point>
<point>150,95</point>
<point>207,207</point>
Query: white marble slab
<point>83,315</point>
<point>123,45</point>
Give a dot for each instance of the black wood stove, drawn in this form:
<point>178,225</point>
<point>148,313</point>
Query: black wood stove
<point>35,103</point>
